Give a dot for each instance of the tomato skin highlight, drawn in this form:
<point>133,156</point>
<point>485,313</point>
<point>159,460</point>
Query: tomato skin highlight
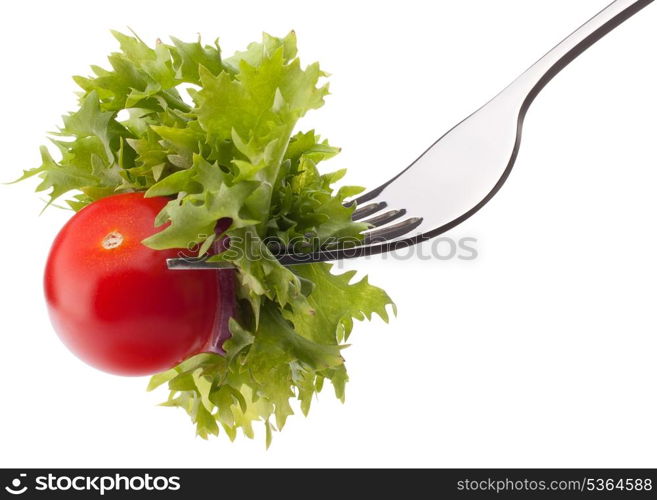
<point>113,301</point>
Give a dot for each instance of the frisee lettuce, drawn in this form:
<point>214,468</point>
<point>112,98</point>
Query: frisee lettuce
<point>233,154</point>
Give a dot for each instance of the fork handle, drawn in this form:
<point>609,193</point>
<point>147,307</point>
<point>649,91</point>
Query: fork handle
<point>532,81</point>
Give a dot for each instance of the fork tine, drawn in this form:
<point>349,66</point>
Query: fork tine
<point>385,218</point>
<point>367,210</point>
<point>369,196</point>
<point>393,231</point>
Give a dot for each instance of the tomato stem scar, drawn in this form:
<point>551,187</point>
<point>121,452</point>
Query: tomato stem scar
<point>112,240</point>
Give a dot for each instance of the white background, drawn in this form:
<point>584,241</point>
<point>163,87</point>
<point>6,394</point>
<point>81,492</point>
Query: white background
<point>539,353</point>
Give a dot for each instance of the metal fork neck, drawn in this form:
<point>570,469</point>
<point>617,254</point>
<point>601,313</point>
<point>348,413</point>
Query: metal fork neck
<point>531,82</point>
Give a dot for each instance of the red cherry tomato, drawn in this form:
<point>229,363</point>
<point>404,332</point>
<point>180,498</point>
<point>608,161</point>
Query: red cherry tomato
<point>113,301</point>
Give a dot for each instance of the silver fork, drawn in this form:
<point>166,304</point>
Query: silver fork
<point>464,169</point>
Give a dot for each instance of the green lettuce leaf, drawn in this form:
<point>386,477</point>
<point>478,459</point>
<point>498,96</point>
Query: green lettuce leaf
<point>217,136</point>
